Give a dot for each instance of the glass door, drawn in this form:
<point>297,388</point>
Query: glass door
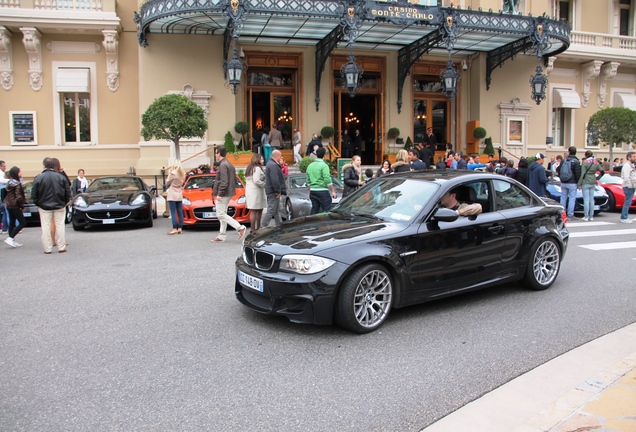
<point>283,107</point>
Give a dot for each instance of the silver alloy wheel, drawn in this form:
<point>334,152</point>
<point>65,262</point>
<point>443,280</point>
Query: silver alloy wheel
<point>289,210</point>
<point>372,299</point>
<point>546,262</point>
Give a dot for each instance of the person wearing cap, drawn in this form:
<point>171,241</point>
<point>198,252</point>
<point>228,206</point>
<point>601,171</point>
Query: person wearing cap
<point>537,177</point>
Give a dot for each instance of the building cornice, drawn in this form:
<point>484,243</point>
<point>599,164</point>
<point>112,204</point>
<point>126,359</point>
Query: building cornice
<point>59,21</point>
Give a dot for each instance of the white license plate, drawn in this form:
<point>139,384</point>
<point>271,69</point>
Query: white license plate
<point>209,215</point>
<point>27,214</point>
<point>597,207</point>
<point>108,221</point>
<point>250,281</point>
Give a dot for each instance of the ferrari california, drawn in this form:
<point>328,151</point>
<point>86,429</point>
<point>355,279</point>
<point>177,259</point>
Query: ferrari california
<point>114,201</point>
<point>398,241</point>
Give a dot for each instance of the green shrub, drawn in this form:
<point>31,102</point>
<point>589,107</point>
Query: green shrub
<point>304,163</point>
<point>408,144</point>
<point>327,132</point>
<point>393,133</point>
<point>479,133</point>
<point>242,128</point>
<point>229,143</point>
<point>241,174</point>
<point>489,149</point>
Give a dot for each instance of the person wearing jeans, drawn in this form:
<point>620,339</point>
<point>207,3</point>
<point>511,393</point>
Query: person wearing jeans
<point>570,185</point>
<point>628,174</point>
<point>587,182</point>
<point>224,190</point>
<point>175,180</point>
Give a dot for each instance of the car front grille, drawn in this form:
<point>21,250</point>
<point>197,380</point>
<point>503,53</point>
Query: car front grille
<point>260,260</point>
<point>108,214</point>
<point>198,212</point>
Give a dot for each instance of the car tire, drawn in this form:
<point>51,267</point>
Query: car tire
<point>68,216</point>
<point>365,299</point>
<point>544,265</point>
<point>289,210</point>
<point>611,201</point>
<point>78,227</point>
<point>148,223</point>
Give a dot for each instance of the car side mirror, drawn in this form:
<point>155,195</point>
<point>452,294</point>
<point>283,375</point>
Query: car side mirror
<point>152,190</point>
<point>445,215</point>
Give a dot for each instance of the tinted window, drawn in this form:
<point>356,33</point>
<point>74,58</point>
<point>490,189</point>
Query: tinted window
<point>509,196</point>
<point>116,183</point>
<point>390,199</point>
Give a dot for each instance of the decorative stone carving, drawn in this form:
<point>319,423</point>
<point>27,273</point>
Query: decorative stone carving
<point>111,45</point>
<point>550,65</point>
<point>589,71</point>
<point>608,72</point>
<point>6,59</point>
<point>31,40</point>
<point>515,111</point>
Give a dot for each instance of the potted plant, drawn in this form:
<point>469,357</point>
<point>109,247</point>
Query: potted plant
<point>327,132</point>
<point>479,133</point>
<point>408,144</point>
<point>242,128</point>
<point>489,149</point>
<point>393,133</point>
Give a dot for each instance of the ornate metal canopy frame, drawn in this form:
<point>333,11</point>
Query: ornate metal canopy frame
<point>413,29</point>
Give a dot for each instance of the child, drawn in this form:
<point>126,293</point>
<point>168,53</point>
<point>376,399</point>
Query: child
<point>368,173</point>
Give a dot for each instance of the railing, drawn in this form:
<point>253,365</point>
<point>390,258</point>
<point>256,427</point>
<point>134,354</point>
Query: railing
<point>79,5</point>
<point>602,40</point>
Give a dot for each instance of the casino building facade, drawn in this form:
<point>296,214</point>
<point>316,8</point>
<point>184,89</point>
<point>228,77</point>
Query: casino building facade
<point>77,74</point>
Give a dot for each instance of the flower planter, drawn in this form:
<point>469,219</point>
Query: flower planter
<point>241,160</point>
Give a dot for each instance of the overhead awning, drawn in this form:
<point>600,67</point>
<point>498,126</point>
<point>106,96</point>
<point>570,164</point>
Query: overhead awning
<point>75,80</point>
<point>625,100</point>
<point>565,98</point>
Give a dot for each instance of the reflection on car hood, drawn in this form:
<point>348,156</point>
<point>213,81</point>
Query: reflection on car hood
<point>314,234</point>
<point>205,194</point>
<point>107,197</point>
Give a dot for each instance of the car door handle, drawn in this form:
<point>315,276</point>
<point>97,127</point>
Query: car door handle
<point>496,229</point>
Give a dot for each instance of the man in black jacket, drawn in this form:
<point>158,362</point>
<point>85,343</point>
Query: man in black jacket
<point>274,188</point>
<point>51,193</point>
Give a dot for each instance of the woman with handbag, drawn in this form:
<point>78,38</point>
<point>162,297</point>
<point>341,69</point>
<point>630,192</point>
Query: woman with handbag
<point>14,201</point>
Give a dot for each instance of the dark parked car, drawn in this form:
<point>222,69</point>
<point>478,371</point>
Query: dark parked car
<point>297,204</point>
<point>391,244</point>
<point>553,189</point>
<point>31,212</point>
<point>114,201</point>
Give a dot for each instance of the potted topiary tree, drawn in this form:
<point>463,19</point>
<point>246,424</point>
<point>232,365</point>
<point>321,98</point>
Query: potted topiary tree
<point>489,149</point>
<point>242,128</point>
<point>393,133</point>
<point>327,132</point>
<point>479,133</point>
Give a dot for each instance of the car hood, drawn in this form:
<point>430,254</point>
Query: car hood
<point>319,233</point>
<point>109,197</point>
<point>204,195</point>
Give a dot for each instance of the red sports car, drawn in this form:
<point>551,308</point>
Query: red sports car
<point>613,185</point>
<point>198,208</point>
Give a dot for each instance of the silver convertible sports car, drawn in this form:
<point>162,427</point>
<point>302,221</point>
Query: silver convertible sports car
<point>114,201</point>
<point>297,204</point>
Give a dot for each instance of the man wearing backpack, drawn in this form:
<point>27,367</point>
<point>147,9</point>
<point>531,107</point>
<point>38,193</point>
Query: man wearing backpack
<point>569,172</point>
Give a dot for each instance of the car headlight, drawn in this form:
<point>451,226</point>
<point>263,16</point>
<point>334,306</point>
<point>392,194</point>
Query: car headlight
<point>80,202</point>
<point>139,199</point>
<point>305,264</point>
<point>186,201</point>
<point>241,200</point>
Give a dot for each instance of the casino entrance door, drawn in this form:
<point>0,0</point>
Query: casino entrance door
<point>362,112</point>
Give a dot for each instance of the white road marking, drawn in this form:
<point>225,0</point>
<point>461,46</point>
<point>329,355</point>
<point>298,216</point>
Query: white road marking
<point>587,224</point>
<point>602,233</point>
<point>610,246</point>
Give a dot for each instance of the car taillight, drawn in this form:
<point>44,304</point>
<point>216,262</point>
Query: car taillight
<point>564,217</point>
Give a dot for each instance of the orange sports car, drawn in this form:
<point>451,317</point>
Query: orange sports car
<point>198,208</point>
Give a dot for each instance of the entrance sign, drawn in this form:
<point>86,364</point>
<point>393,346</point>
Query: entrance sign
<point>403,15</point>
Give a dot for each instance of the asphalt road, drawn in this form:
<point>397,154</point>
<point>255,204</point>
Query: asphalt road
<point>137,330</point>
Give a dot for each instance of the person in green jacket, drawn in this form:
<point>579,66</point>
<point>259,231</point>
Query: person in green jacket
<point>587,182</point>
<point>320,184</point>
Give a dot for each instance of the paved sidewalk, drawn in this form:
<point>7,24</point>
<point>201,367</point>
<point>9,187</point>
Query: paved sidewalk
<point>591,388</point>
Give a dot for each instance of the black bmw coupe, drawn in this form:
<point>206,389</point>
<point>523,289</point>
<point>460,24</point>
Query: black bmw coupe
<point>392,244</point>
